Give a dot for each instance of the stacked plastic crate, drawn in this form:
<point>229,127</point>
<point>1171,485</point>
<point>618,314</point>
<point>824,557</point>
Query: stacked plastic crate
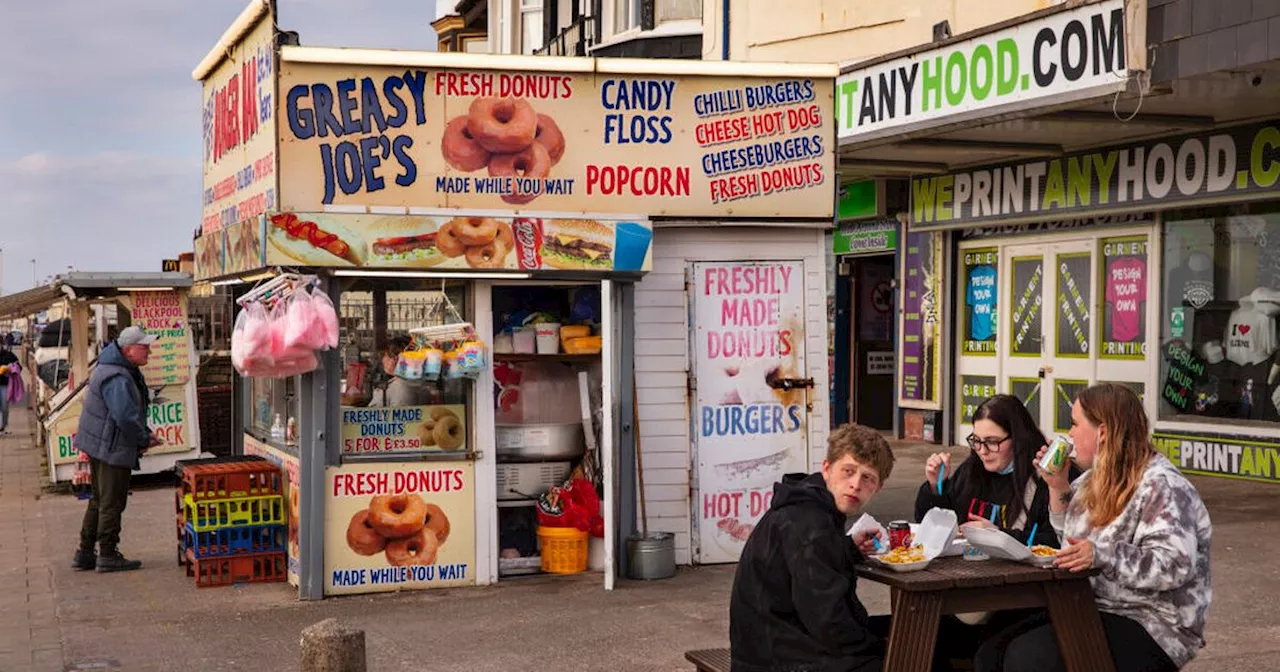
<point>231,521</point>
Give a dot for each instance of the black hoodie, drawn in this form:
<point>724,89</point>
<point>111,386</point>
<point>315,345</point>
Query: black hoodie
<point>794,605</point>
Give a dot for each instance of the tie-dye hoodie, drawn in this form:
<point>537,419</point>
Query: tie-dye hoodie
<point>1154,557</point>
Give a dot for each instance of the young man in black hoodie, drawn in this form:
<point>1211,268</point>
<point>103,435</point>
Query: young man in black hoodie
<point>794,605</point>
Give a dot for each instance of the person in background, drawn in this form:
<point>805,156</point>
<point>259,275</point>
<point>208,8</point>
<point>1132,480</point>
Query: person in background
<point>7,362</point>
<point>392,390</point>
<point>1133,516</point>
<point>794,604</point>
<point>113,433</point>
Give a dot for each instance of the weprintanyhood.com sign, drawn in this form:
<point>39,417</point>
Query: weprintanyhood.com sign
<point>1076,53</point>
<point>1204,167</point>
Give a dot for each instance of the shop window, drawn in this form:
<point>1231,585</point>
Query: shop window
<point>626,15</point>
<point>530,26</point>
<point>381,369</point>
<point>1219,322</point>
<point>271,413</point>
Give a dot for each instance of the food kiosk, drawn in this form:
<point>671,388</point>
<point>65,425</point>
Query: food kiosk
<point>439,203</point>
<point>97,306</point>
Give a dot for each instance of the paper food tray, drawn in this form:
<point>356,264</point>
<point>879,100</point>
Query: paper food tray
<point>997,544</point>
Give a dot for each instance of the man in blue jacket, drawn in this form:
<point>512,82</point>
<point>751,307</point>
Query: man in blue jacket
<point>113,433</point>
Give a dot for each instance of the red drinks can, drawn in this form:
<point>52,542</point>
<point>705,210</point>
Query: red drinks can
<point>528,236</point>
<point>899,534</point>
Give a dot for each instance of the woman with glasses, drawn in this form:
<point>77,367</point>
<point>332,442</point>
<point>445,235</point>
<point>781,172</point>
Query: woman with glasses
<point>1141,523</point>
<point>996,486</point>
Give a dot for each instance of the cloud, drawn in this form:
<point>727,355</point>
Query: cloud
<point>111,211</point>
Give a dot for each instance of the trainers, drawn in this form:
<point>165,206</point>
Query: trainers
<point>84,560</point>
<point>114,562</point>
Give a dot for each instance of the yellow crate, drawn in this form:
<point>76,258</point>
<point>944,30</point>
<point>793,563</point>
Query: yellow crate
<point>215,514</point>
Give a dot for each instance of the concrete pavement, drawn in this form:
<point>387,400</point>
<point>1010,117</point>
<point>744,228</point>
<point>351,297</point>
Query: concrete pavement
<point>156,620</point>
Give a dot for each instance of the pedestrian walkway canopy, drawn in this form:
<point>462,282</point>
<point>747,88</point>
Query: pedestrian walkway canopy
<point>87,286</point>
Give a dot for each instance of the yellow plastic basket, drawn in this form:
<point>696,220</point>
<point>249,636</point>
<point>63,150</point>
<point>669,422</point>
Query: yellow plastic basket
<point>564,550</point>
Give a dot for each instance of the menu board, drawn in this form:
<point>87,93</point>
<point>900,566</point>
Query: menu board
<point>1071,337</point>
<point>1028,300</point>
<point>400,429</point>
<point>921,321</point>
<point>1124,327</point>
<point>163,314</point>
<point>981,291</point>
<point>973,391</point>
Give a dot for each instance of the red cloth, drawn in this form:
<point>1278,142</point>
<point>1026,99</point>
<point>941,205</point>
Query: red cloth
<point>574,504</point>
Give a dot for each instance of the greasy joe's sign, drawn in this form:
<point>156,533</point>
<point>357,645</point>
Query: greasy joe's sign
<point>1232,163</point>
<point>395,137</point>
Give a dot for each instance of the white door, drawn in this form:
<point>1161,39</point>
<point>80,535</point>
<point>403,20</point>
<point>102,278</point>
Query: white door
<point>750,410</point>
<point>1050,319</point>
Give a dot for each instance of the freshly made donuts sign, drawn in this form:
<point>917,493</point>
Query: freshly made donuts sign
<point>403,429</point>
<point>399,526</point>
<point>677,146</point>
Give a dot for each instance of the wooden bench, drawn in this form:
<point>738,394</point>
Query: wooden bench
<point>709,660</point>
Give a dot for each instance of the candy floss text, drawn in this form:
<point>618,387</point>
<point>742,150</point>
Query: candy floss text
<point>384,483</point>
<point>638,112</point>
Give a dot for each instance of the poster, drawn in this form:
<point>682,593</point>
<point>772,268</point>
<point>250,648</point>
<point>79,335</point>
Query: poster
<point>210,255</point>
<point>1027,390</point>
<point>973,391</point>
<point>1252,459</point>
<point>1074,297</point>
<point>1186,386</point>
<point>1124,328</point>
<point>239,124</point>
<point>398,526</point>
<point>749,332</point>
<point>243,246</point>
<point>293,488</point>
<point>981,301</point>
<point>401,429</point>
<point>678,145</point>
<point>482,243</point>
<point>1027,290</point>
<point>921,322</point>
<point>167,416</point>
<point>163,314</point>
<point>1065,392</point>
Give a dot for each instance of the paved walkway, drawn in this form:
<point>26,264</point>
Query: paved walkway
<point>31,637</point>
<point>155,620</point>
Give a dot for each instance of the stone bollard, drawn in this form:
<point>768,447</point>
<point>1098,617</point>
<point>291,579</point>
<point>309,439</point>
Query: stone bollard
<point>328,646</point>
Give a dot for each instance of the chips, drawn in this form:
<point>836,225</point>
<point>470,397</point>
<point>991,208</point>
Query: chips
<point>1044,551</point>
<point>903,555</point>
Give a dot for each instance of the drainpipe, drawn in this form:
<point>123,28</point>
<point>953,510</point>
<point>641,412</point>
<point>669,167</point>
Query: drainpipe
<point>724,30</point>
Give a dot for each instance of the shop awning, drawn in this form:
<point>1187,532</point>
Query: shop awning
<point>881,136</point>
<point>88,286</point>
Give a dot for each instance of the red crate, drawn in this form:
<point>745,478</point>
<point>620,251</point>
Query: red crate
<point>233,569</point>
<point>232,479</point>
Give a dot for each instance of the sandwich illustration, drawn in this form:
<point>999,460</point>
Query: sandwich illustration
<point>577,244</point>
<point>404,241</point>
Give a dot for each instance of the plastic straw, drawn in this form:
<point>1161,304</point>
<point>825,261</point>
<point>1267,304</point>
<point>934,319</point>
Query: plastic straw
<point>942,473</point>
<point>1031,539</point>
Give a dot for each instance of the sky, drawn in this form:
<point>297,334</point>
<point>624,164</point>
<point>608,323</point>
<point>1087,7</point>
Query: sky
<point>100,125</point>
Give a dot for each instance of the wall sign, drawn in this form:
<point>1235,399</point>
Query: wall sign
<point>1074,296</point>
<point>1027,290</point>
<point>691,145</point>
<point>1048,226</point>
<point>879,236</point>
<point>921,332</point>
<point>1247,458</point>
<point>1202,167</point>
<point>858,200</point>
<point>879,363</point>
<point>163,315</point>
<point>981,294</point>
<point>1186,380</point>
<point>748,321</point>
<point>240,131</point>
<point>399,429</point>
<point>973,391</point>
<point>1066,53</point>
<point>1124,273</point>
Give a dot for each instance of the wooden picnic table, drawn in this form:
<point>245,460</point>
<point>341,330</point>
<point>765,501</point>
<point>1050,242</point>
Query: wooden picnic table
<point>955,586</point>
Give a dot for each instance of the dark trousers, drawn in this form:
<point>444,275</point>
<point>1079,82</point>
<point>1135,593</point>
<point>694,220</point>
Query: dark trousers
<point>1031,646</point>
<point>953,642</point>
<point>102,518</point>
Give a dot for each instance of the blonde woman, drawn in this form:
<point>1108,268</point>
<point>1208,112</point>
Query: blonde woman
<point>1135,517</point>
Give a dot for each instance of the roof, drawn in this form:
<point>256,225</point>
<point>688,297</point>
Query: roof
<point>88,285</point>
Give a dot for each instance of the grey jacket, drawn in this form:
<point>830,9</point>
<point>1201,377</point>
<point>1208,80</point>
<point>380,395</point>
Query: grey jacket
<point>113,422</point>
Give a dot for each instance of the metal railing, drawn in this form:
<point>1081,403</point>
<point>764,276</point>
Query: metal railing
<point>572,40</point>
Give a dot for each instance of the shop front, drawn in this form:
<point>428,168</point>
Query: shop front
<point>478,228</point>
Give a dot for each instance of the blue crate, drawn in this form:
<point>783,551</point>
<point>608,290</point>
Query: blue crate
<point>235,540</point>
